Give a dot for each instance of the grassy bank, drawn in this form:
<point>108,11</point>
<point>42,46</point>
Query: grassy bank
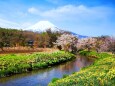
<point>101,73</point>
<point>18,63</point>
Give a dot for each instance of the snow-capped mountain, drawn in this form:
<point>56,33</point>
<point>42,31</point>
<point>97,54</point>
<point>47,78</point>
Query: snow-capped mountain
<point>79,36</point>
<point>42,26</point>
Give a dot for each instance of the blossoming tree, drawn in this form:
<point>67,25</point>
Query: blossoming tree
<point>86,43</point>
<point>67,42</point>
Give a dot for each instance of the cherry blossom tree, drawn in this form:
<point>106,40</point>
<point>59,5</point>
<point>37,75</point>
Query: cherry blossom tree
<point>100,44</point>
<point>67,42</point>
<point>111,44</point>
<point>104,44</point>
<point>86,43</point>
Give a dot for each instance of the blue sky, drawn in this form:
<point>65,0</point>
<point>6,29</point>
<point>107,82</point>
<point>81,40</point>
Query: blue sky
<point>86,17</point>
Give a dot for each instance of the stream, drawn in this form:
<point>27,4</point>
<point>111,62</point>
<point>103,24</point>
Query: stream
<point>42,77</point>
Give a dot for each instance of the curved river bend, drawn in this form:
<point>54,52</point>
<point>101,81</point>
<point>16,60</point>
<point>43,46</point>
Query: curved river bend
<point>43,76</point>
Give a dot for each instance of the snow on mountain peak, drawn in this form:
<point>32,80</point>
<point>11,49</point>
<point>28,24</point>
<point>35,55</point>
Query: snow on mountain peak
<point>42,26</point>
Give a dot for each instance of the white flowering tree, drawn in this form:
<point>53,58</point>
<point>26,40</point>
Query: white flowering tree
<point>105,44</point>
<point>110,43</point>
<point>86,43</point>
<point>80,44</point>
<point>67,42</point>
<point>101,44</point>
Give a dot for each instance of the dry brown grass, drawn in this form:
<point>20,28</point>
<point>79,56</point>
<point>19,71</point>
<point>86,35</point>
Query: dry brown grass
<point>26,50</point>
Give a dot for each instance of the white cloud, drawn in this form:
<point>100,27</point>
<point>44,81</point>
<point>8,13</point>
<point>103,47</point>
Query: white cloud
<point>81,11</point>
<point>72,12</point>
<point>26,24</point>
<point>70,9</point>
<point>8,24</point>
<point>67,11</point>
<point>33,10</point>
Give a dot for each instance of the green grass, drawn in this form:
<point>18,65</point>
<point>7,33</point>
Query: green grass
<point>18,63</point>
<point>101,73</point>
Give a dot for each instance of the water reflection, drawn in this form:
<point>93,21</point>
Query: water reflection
<point>44,76</point>
<point>83,61</point>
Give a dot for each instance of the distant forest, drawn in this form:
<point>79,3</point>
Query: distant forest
<point>16,38</point>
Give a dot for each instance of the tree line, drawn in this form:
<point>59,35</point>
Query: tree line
<point>71,43</point>
<point>16,38</point>
<point>63,40</point>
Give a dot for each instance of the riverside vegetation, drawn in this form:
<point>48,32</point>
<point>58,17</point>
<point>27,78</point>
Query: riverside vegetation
<point>18,63</point>
<point>100,73</point>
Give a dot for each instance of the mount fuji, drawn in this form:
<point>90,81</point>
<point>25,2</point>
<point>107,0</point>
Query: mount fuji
<point>42,26</point>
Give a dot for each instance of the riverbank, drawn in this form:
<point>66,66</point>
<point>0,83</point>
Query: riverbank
<point>18,63</point>
<point>100,73</point>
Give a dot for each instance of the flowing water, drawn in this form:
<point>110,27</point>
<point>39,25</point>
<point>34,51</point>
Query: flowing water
<point>43,76</point>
